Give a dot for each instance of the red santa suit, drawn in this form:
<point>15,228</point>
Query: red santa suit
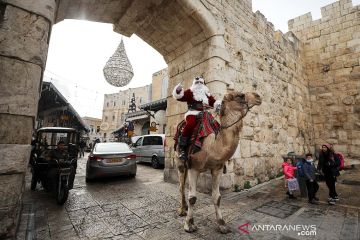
<point>196,97</point>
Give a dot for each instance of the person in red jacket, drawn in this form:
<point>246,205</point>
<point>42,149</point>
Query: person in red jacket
<point>289,173</point>
<point>197,97</point>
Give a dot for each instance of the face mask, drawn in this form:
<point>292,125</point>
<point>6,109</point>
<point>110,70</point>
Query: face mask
<point>309,160</point>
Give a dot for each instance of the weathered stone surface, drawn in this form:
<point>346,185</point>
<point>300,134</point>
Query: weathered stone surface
<point>24,36</point>
<point>11,187</point>
<point>232,47</point>
<point>14,158</point>
<point>335,105</point>
<point>45,8</point>
<point>19,87</point>
<point>15,129</point>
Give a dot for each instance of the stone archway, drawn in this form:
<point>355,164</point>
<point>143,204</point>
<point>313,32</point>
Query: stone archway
<point>184,31</point>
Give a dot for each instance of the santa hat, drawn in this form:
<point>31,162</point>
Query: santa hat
<point>199,79</point>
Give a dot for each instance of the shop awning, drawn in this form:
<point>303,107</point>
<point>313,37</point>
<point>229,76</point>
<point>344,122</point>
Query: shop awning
<point>155,105</point>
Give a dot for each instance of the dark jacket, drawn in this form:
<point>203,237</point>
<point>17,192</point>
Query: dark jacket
<point>308,170</point>
<point>327,163</point>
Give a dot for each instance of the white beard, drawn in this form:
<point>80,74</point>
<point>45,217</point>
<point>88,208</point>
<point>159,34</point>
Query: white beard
<point>200,93</point>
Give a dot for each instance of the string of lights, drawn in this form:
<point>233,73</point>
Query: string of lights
<point>89,105</point>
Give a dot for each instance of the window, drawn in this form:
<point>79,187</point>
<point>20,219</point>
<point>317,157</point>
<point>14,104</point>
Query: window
<point>141,100</point>
<point>139,142</point>
<point>97,128</point>
<point>114,104</point>
<point>92,130</point>
<point>113,118</point>
<point>152,140</point>
<point>104,135</point>
<point>107,104</point>
<point>106,118</point>
<point>112,147</point>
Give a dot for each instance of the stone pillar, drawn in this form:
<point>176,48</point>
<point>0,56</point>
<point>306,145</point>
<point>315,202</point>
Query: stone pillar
<point>24,35</point>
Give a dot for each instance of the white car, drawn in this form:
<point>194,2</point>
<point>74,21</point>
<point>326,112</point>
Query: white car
<point>150,148</point>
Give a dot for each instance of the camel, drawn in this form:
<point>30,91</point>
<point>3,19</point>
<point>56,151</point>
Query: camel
<point>213,155</point>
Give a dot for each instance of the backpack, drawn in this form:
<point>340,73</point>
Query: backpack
<point>299,171</point>
<point>340,160</point>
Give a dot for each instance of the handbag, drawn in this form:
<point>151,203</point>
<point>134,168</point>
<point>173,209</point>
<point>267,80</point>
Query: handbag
<point>293,184</point>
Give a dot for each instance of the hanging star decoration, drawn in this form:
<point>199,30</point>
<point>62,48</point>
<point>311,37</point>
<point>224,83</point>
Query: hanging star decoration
<point>118,70</point>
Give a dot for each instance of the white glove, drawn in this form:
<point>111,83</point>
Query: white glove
<point>179,88</point>
<point>217,106</point>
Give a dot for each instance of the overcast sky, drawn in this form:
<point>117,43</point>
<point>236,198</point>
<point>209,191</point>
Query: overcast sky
<point>79,50</point>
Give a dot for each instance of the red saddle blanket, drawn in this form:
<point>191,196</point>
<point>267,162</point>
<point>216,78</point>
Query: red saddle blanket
<point>206,125</point>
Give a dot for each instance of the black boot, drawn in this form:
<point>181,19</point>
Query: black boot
<point>183,142</point>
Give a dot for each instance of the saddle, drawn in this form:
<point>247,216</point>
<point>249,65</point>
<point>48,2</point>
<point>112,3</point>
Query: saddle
<point>206,125</point>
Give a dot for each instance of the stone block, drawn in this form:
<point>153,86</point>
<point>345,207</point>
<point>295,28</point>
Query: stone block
<point>355,73</point>
<point>354,151</point>
<point>45,8</point>
<point>247,132</point>
<point>19,87</point>
<point>249,167</point>
<point>245,148</point>
<point>14,158</point>
<point>15,129</point>
<point>227,181</point>
<point>24,35</point>
<point>171,175</point>
<point>10,189</point>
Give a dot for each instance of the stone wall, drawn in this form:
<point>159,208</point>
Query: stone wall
<point>159,84</point>
<point>232,47</point>
<point>332,53</point>
<point>24,37</point>
<point>270,63</point>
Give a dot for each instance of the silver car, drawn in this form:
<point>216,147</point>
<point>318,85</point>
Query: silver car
<point>111,159</point>
<point>150,148</point>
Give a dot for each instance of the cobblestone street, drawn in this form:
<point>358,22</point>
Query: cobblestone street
<point>145,208</point>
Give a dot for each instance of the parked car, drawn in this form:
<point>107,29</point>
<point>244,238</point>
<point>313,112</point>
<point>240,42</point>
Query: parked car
<point>111,159</point>
<point>150,148</point>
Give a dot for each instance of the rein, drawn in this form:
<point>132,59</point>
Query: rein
<point>241,117</point>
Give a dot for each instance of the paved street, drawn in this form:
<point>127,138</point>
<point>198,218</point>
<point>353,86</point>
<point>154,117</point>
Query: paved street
<point>144,208</point>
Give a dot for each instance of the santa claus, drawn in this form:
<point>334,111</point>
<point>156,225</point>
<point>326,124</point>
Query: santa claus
<point>197,97</point>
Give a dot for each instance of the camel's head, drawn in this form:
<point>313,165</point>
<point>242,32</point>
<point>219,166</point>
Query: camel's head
<point>239,102</point>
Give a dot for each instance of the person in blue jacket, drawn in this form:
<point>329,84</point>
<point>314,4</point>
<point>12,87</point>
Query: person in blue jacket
<point>308,169</point>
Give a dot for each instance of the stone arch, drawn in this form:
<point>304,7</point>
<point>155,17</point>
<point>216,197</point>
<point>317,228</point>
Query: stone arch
<point>188,35</point>
<point>185,32</point>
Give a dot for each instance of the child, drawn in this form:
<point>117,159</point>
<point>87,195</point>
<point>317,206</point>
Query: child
<point>311,184</point>
<point>288,169</point>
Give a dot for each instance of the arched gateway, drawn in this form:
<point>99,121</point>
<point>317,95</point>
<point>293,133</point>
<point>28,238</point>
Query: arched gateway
<point>183,31</point>
<point>298,75</point>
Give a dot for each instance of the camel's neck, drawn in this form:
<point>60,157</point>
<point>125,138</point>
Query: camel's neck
<point>227,140</point>
<point>230,134</point>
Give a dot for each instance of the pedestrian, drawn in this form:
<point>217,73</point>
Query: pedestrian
<point>328,164</point>
<point>289,173</point>
<point>82,146</point>
<point>308,168</point>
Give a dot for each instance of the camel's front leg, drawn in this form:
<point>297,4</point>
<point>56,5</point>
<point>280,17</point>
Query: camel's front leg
<point>189,225</point>
<point>216,197</point>
<point>182,172</point>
